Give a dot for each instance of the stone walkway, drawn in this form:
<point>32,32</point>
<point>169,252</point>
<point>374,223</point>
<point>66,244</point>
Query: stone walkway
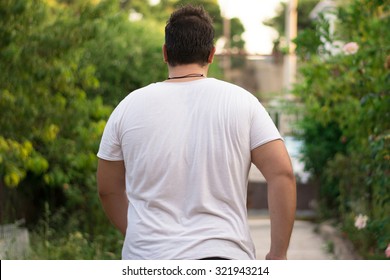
<point>305,243</point>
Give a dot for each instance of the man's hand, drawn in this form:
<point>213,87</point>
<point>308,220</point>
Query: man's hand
<point>269,257</point>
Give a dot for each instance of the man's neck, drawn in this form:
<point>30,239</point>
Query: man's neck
<point>193,71</point>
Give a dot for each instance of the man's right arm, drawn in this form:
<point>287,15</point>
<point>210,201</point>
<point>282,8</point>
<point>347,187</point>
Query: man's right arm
<point>112,191</point>
<point>274,163</point>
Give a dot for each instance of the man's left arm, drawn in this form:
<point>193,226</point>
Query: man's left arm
<point>112,191</point>
<point>273,161</point>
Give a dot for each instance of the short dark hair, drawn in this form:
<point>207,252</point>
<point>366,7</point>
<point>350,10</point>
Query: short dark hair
<point>189,36</point>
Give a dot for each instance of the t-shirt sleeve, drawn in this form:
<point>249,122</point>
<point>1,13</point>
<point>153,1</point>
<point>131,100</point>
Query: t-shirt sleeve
<point>263,129</point>
<point>110,146</point>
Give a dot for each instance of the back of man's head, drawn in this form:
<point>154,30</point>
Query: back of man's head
<point>189,36</point>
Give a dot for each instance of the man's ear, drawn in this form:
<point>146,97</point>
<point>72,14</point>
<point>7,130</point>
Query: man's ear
<point>164,50</point>
<point>211,55</point>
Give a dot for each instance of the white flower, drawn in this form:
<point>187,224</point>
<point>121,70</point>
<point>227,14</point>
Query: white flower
<point>350,48</point>
<point>361,221</point>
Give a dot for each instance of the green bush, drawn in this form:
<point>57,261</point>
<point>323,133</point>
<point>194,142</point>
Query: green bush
<point>64,65</point>
<point>57,237</point>
<point>345,90</point>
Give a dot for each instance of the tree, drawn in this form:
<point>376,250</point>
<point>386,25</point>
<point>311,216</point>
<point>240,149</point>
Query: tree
<point>164,8</point>
<point>44,106</point>
<point>279,21</point>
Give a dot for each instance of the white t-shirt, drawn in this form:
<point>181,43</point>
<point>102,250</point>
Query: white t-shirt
<point>187,152</point>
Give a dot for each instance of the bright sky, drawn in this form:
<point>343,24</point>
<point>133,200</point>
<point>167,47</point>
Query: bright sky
<point>257,36</point>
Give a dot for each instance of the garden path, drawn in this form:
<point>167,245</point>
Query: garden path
<point>305,243</point>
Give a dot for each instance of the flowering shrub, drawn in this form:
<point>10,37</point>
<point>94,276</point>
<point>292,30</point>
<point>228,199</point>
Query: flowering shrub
<point>387,251</point>
<point>345,90</point>
<point>351,48</point>
<point>361,221</point>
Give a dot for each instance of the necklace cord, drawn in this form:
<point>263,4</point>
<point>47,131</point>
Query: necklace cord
<point>186,76</point>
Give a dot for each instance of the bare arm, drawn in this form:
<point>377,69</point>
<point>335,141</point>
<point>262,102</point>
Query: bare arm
<point>112,192</point>
<point>273,161</point>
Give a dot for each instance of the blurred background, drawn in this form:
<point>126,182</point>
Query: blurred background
<point>321,68</point>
